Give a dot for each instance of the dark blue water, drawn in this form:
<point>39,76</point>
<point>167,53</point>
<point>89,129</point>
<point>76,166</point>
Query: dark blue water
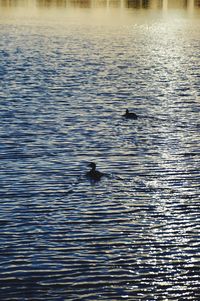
<point>67,75</point>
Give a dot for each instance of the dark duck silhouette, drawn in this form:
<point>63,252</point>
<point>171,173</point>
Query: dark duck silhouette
<point>93,174</point>
<point>129,115</point>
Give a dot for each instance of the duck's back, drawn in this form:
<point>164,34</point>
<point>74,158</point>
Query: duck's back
<point>94,175</point>
<point>131,116</point>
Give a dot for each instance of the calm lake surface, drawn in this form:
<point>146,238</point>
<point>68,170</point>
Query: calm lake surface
<point>68,71</point>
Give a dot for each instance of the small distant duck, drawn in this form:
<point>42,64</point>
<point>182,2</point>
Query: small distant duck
<point>94,174</point>
<point>129,115</point>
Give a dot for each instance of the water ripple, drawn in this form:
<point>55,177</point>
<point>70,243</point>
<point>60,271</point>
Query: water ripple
<point>135,234</point>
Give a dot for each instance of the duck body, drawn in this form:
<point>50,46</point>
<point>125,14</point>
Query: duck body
<point>129,115</point>
<point>94,174</point>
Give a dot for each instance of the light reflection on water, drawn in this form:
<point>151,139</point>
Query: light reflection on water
<point>97,11</point>
<point>66,78</point>
<point>136,4</point>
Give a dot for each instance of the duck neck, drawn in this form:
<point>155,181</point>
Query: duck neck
<point>93,168</point>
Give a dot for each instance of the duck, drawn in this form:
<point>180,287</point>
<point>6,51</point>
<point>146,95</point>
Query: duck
<point>129,115</point>
<point>94,174</point>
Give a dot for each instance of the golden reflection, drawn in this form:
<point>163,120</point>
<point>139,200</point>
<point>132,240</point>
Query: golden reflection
<point>135,4</point>
<point>106,12</point>
<point>63,3</point>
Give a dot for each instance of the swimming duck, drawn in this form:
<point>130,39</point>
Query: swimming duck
<point>129,115</point>
<point>94,174</point>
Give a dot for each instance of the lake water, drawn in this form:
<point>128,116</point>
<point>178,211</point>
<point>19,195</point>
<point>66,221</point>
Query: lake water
<point>68,71</point>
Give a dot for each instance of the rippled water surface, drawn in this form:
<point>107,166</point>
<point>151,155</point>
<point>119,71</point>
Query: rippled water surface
<point>68,71</point>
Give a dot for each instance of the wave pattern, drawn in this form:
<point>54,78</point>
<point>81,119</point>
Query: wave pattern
<point>135,234</point>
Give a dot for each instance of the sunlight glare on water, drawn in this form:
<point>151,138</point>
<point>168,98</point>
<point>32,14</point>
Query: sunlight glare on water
<point>68,71</point>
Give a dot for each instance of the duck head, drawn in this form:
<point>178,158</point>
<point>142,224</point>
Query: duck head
<point>127,112</point>
<point>92,165</point>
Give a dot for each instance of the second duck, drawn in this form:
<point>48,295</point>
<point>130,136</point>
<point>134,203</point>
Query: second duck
<point>129,115</point>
